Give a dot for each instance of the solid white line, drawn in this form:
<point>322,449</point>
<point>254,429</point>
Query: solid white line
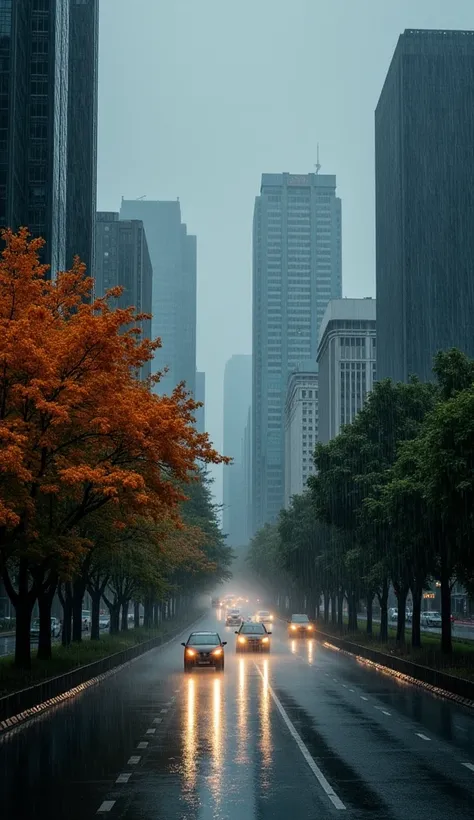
<point>124,778</point>
<point>158,720</point>
<point>423,737</point>
<point>379,709</point>
<point>143,744</point>
<point>133,760</point>
<point>469,766</point>
<point>327,788</point>
<point>362,698</point>
<point>107,805</point>
<point>150,731</point>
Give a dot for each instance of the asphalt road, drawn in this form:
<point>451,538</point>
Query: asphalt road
<point>305,733</point>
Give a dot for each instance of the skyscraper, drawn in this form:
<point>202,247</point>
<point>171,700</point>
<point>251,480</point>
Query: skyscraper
<point>173,258</point>
<point>237,399</point>
<point>122,259</point>
<point>301,428</point>
<point>48,123</point>
<point>296,271</point>
<point>424,166</point>
<point>200,395</point>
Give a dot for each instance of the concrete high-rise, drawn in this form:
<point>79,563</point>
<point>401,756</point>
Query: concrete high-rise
<point>122,258</point>
<point>296,271</point>
<point>173,258</point>
<point>200,395</point>
<point>424,167</point>
<point>301,428</point>
<point>346,361</point>
<point>48,125</point>
<point>237,399</point>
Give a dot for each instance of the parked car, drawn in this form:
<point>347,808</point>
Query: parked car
<point>104,622</point>
<point>86,620</point>
<point>55,627</point>
<point>430,619</point>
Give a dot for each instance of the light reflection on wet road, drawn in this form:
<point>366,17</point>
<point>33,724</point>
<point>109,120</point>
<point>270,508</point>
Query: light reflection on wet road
<point>153,744</point>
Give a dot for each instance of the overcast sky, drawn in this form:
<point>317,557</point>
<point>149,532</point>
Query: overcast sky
<point>197,98</point>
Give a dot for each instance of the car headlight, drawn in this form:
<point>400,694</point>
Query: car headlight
<point>190,652</point>
<point>241,639</point>
<point>310,626</point>
<point>265,640</point>
<point>271,617</point>
<point>293,627</point>
<point>217,651</point>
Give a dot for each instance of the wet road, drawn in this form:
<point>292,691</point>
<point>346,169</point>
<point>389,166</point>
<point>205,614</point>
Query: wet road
<point>302,733</point>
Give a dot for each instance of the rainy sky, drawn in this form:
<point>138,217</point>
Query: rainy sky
<point>197,98</point>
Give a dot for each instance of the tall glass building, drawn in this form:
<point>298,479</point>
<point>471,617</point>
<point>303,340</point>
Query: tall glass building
<point>296,272</point>
<point>424,180</point>
<point>48,123</point>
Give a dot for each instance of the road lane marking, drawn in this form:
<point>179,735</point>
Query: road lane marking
<point>469,766</point>
<point>150,731</point>
<point>351,690</point>
<point>124,778</point>
<point>345,685</point>
<point>107,805</point>
<point>158,720</point>
<point>133,760</point>
<point>420,734</point>
<point>379,708</point>
<point>143,744</point>
<point>335,680</point>
<point>362,698</point>
<point>325,785</point>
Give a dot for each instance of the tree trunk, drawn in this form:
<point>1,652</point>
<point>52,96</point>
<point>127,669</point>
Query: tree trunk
<point>95,614</point>
<point>114,612</point>
<point>23,610</point>
<point>155,615</point>
<point>383,601</point>
<point>446,642</point>
<point>352,604</point>
<point>124,626</point>
<point>370,605</point>
<point>401,593</point>
<point>333,609</point>
<point>340,609</point>
<point>148,613</point>
<point>417,592</point>
<point>78,590</point>
<point>136,614</point>
<point>45,600</point>
<point>66,601</point>
<point>326,607</point>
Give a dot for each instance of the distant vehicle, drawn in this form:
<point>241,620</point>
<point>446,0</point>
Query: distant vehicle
<point>215,602</point>
<point>86,620</point>
<point>430,619</point>
<point>55,628</point>
<point>263,616</point>
<point>104,621</point>
<point>253,637</point>
<point>233,617</point>
<point>393,614</point>
<point>299,625</point>
<point>204,649</point>
<point>409,615</point>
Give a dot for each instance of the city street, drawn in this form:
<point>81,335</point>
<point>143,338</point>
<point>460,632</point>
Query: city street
<point>303,733</point>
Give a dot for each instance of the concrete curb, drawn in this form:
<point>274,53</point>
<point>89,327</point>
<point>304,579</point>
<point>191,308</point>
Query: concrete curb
<point>25,704</point>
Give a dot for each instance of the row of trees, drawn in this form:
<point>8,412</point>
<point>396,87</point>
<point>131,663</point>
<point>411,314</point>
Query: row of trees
<point>391,503</point>
<point>102,481</point>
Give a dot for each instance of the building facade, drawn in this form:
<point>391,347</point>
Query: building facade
<point>347,362</point>
<point>122,258</point>
<point>201,396</point>
<point>247,477</point>
<point>296,271</point>
<point>424,133</point>
<point>174,262</point>
<point>301,428</point>
<point>48,123</point>
<point>237,399</point>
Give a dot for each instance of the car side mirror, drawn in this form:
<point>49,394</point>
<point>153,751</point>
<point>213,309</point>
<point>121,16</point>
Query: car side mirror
<point>183,644</point>
<point>224,643</point>
<point>236,633</point>
<point>269,633</point>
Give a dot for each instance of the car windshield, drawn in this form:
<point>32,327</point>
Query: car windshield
<point>234,611</point>
<point>201,638</point>
<point>253,629</point>
<point>300,619</point>
<point>263,613</point>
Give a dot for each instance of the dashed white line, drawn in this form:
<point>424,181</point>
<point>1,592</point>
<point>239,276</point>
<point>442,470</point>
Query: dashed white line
<point>325,785</point>
<point>423,737</point>
<point>133,760</point>
<point>379,709</point>
<point>469,766</point>
<point>344,685</point>
<point>124,778</point>
<point>150,731</point>
<point>158,720</point>
<point>107,805</point>
<point>351,690</point>
<point>143,744</point>
<point>335,680</point>
<point>363,698</point>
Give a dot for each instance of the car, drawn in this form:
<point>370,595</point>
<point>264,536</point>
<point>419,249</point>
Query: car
<point>86,620</point>
<point>104,621</point>
<point>215,602</point>
<point>430,619</point>
<point>299,625</point>
<point>204,649</point>
<point>55,627</point>
<point>253,637</point>
<point>233,617</point>
<point>263,616</point>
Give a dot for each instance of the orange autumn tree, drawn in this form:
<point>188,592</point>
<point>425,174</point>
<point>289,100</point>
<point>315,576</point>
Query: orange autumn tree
<point>78,430</point>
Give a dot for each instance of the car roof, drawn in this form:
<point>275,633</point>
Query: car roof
<point>204,633</point>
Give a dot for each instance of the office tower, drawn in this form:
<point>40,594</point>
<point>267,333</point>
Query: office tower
<point>237,398</point>
<point>296,271</point>
<point>247,477</point>
<point>424,137</point>
<point>122,259</point>
<point>347,362</point>
<point>173,258</point>
<point>48,126</point>
<point>201,396</point>
<point>301,428</point>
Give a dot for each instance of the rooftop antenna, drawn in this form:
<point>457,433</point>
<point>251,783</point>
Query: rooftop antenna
<point>317,166</point>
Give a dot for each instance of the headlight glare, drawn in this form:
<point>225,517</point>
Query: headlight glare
<point>217,651</point>
<point>265,640</point>
<point>190,652</point>
<point>293,627</point>
<point>241,639</point>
